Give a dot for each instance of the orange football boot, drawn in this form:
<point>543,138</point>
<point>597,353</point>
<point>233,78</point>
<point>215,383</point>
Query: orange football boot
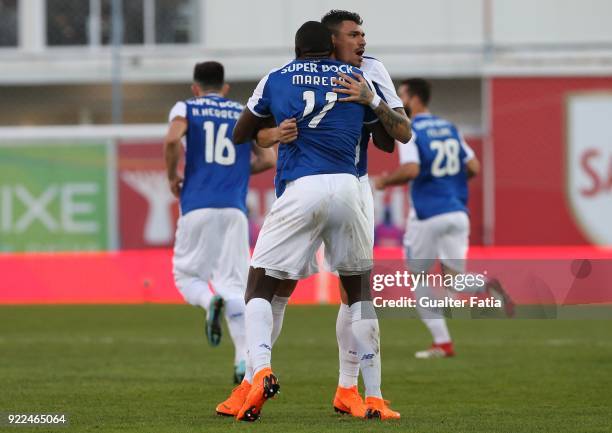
<point>348,401</point>
<point>234,402</point>
<point>377,408</point>
<point>265,386</point>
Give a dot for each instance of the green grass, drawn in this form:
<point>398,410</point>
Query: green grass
<point>149,369</point>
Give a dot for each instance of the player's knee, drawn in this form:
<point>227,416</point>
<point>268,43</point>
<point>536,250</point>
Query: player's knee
<point>357,287</point>
<point>285,288</point>
<point>260,285</point>
<point>189,287</point>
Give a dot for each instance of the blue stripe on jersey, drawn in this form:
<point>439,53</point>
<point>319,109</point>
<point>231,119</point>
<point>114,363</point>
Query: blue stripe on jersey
<point>441,186</point>
<point>328,131</point>
<point>216,171</point>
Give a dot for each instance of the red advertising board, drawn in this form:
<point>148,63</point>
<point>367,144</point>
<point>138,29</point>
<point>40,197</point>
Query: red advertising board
<point>148,213</point>
<point>550,187</point>
<point>147,209</point>
<point>141,276</point>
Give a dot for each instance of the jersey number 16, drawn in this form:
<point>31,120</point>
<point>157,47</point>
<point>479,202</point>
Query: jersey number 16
<point>219,149</point>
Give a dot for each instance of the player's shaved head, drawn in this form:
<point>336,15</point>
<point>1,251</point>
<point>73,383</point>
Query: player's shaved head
<point>313,39</point>
<point>335,17</point>
<point>209,75</point>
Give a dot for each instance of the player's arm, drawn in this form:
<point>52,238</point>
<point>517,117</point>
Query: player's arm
<point>408,170</point>
<point>263,159</point>
<point>472,167</point>
<point>246,127</point>
<point>472,164</point>
<point>255,116</point>
<point>402,175</point>
<point>381,137</point>
<point>172,153</point>
<point>284,133</point>
<point>395,121</point>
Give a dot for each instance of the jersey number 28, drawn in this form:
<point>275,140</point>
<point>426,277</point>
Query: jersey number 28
<point>449,148</point>
<point>219,149</point>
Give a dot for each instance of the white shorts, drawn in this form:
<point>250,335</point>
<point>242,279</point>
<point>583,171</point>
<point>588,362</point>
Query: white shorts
<point>326,208</point>
<point>444,237</point>
<point>213,245</point>
<point>368,204</point>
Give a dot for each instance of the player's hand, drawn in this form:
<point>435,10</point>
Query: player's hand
<point>176,184</point>
<point>379,182</point>
<point>357,90</point>
<point>287,131</point>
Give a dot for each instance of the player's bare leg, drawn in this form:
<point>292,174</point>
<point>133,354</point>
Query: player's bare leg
<point>491,286</point>
<point>364,324</point>
<point>495,287</point>
<point>442,346</point>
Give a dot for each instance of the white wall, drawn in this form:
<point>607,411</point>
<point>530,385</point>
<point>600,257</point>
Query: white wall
<point>272,23</point>
<point>435,38</point>
<point>392,23</point>
<point>552,21</point>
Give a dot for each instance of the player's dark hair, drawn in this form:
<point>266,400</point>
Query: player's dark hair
<point>209,75</point>
<point>313,39</point>
<point>334,18</point>
<point>418,87</point>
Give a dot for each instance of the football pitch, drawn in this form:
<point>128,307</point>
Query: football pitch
<point>149,369</point>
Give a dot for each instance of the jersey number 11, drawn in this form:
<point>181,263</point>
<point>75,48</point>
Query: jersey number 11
<point>309,98</point>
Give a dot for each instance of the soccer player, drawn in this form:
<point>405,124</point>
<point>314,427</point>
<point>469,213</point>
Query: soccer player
<point>319,202</point>
<point>439,162</point>
<point>349,47</point>
<point>212,235</point>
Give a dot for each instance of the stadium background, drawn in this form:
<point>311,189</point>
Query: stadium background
<point>86,216</point>
<point>84,103</point>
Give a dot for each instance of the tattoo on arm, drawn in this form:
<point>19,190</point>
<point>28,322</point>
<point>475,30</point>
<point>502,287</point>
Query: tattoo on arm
<point>389,118</point>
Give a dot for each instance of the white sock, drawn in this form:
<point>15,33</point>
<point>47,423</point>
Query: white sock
<point>258,322</point>
<point>438,329</point>
<point>195,291</point>
<point>279,303</point>
<point>278,312</point>
<point>234,316</point>
<point>433,318</point>
<point>248,374</point>
<point>367,338</point>
<point>347,349</point>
